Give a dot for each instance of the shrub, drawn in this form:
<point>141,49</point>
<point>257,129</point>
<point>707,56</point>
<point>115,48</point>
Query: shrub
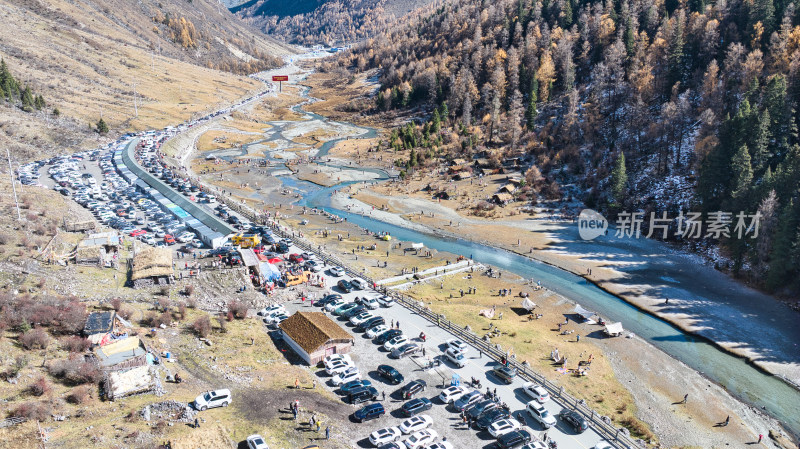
<point>3,325</point>
<point>76,371</point>
<point>188,290</point>
<point>165,319</point>
<point>116,304</point>
<point>3,239</point>
<point>80,395</point>
<point>223,325</point>
<point>202,326</point>
<point>191,303</point>
<point>35,339</point>
<point>75,344</point>
<point>238,309</point>
<point>37,411</point>
<point>181,311</point>
<point>39,387</point>
<point>125,314</point>
<point>163,291</point>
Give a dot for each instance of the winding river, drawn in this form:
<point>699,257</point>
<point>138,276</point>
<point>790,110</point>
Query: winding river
<point>739,377</point>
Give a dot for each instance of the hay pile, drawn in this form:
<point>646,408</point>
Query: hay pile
<point>152,262</point>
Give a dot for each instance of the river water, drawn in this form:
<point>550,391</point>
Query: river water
<point>740,378</point>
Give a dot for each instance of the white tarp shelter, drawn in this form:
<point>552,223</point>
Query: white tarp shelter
<point>528,305</point>
<point>586,314</point>
<point>614,329</point>
<point>417,245</point>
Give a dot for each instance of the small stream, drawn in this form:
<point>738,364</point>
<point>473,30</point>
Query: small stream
<point>740,378</point>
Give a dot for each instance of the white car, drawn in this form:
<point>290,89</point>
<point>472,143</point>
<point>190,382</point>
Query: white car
<point>338,367</point>
<point>386,301</point>
<point>440,445</point>
<point>211,399</point>
<point>504,426</point>
<point>383,436</point>
<point>346,376</point>
<point>328,360</point>
<point>336,271</point>
<point>370,303</point>
<point>603,445</point>
<point>456,357</point>
<point>333,305</point>
<point>457,344</point>
<point>540,414</point>
<point>256,442</point>
<point>536,391</point>
<point>186,237</point>
<point>377,330</point>
<point>535,445</point>
<point>395,342</point>
<point>415,424</point>
<point>274,317</point>
<point>450,394</point>
<point>360,318</point>
<point>267,311</point>
<point>421,439</point>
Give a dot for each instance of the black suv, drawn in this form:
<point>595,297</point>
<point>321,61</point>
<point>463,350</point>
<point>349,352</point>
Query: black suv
<point>345,286</point>
<point>328,299</point>
<point>412,388</point>
<point>370,323</point>
<point>390,374</point>
<point>388,335</point>
<point>416,406</point>
<point>575,420</point>
<point>489,418</point>
<point>505,373</point>
<point>362,394</point>
<point>514,439</point>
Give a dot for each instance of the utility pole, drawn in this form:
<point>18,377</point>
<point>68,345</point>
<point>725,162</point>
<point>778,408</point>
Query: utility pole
<point>13,184</point>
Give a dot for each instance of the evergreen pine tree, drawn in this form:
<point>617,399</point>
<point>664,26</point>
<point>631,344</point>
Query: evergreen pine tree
<point>532,111</point>
<point>619,178</point>
<point>742,173</point>
<point>780,263</point>
<point>630,40</point>
<point>761,141</point>
<point>436,122</point>
<point>445,112</point>
<point>39,103</point>
<point>676,53</point>
<point>3,76</point>
<point>27,99</point>
<point>102,127</point>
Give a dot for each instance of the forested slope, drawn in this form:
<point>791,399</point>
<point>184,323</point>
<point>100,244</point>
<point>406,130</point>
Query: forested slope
<point>644,105</point>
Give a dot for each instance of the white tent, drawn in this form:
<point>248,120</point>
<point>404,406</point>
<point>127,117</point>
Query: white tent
<point>417,245</point>
<point>614,329</point>
<point>586,314</point>
<point>528,305</point>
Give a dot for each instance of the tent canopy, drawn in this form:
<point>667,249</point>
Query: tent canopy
<point>614,328</point>
<point>269,272</point>
<point>586,314</point>
<point>528,305</point>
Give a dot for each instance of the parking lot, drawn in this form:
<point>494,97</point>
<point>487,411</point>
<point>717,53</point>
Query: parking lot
<point>446,421</point>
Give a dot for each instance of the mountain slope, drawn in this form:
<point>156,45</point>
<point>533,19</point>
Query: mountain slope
<point>641,105</point>
<point>86,58</point>
<point>328,22</point>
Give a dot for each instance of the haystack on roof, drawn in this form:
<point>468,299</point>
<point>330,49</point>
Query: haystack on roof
<point>310,330</point>
<point>502,197</point>
<point>152,262</point>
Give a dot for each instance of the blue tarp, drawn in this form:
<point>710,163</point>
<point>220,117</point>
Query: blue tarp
<point>269,272</point>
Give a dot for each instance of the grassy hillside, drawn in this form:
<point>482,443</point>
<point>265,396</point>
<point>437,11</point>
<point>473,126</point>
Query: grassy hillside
<point>85,57</point>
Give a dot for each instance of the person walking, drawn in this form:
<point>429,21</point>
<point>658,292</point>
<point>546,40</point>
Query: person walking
<point>685,398</point>
<point>327,432</point>
<point>760,437</point>
<point>383,395</point>
<point>196,423</point>
<point>727,420</point>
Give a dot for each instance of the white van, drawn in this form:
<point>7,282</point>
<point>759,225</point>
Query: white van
<point>211,399</point>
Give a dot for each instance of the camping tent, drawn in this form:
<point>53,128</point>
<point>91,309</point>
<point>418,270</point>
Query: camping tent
<point>528,305</point>
<point>586,314</point>
<point>417,245</point>
<point>614,329</point>
<point>269,272</point>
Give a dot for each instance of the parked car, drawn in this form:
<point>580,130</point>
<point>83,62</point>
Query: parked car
<point>536,391</point>
<point>211,399</point>
<point>405,350</point>
<point>271,309</point>
<point>575,420</point>
<point>370,303</point>
<point>376,330</point>
<point>536,444</point>
<point>336,271</point>
<point>505,373</point>
<point>371,411</point>
<point>416,406</point>
<point>540,414</point>
<point>440,445</point>
<point>390,374</point>
<point>354,311</point>
<point>344,308</point>
<point>504,426</point>
<point>346,388</point>
<point>421,439</point>
<point>361,318</point>
<point>477,410</point>
<point>514,439</point>
<point>395,342</point>
<point>338,366</point>
<point>415,424</point>
<point>455,357</point>
<point>455,343</point>
<point>467,400</point>
<point>357,284</point>
<point>388,335</point>
<point>386,301</point>
<point>328,299</point>
<point>371,323</point>
<point>346,376</point>
<point>410,389</point>
<point>256,442</point>
<point>362,394</point>
<point>452,393</point>
<point>385,435</point>
<point>491,417</point>
<point>330,359</point>
<point>334,304</point>
<point>345,286</point>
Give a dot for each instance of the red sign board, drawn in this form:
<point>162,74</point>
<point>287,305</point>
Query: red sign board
<point>280,78</point>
